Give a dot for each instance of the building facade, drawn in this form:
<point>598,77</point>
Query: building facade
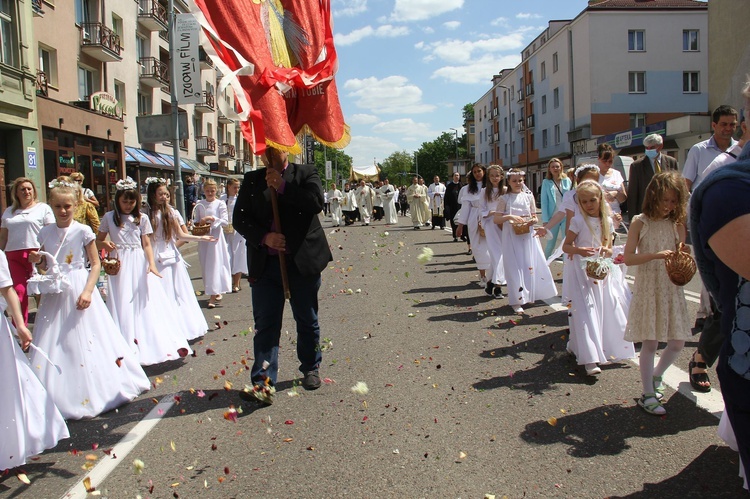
<point>619,69</point>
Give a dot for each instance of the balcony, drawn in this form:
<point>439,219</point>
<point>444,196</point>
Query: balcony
<point>206,62</point>
<point>205,146</point>
<point>164,35</point>
<point>521,125</point>
<point>226,152</point>
<point>207,105</point>
<point>520,95</point>
<point>37,8</point>
<point>183,143</point>
<point>530,121</point>
<point>154,73</point>
<point>530,89</point>
<point>100,42</point>
<point>41,84</point>
<point>223,119</point>
<point>152,15</point>
<point>496,138</point>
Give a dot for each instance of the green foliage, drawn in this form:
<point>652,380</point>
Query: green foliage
<point>468,111</point>
<point>432,156</point>
<point>339,161</point>
<point>398,167</point>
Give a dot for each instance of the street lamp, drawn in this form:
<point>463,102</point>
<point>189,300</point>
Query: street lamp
<point>456,143</point>
<point>510,128</point>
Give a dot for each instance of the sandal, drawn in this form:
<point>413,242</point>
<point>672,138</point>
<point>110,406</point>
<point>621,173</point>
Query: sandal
<point>659,387</point>
<point>651,404</point>
<point>698,378</point>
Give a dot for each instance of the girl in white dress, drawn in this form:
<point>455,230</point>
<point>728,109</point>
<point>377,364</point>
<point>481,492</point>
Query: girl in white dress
<point>138,303</point>
<point>214,256</point>
<point>658,312</point>
<point>598,309</point>
<point>29,420</point>
<point>470,219</point>
<point>235,242</point>
<point>529,278</point>
<point>169,262</point>
<point>99,369</point>
<point>491,197</point>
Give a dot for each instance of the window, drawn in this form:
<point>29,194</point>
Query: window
<point>637,82</point>
<point>635,40</point>
<point>690,82</point>
<point>88,83</point>
<point>637,120</point>
<point>544,104</point>
<point>556,98</point>
<point>557,135</point>
<point>83,11</point>
<point>48,63</point>
<point>505,123</point>
<point>554,63</point>
<point>120,93</point>
<point>473,149</point>
<point>141,48</point>
<point>545,139</point>
<point>8,41</point>
<point>543,70</point>
<point>513,148</point>
<point>506,150</point>
<point>690,40</point>
<point>144,103</point>
<point>471,128</point>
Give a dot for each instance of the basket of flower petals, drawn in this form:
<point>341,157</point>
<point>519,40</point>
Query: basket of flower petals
<point>680,266</point>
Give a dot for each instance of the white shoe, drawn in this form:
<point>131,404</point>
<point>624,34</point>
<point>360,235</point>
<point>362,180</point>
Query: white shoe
<point>518,310</point>
<point>482,281</point>
<point>592,369</point>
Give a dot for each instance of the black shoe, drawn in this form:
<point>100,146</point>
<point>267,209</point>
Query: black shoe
<point>498,292</point>
<point>455,239</point>
<point>489,289</point>
<point>311,381</point>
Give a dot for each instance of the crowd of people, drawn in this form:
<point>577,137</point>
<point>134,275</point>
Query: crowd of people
<point>56,250</point>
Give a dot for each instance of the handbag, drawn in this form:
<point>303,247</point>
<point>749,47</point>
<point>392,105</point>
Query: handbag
<point>53,281</point>
<point>167,257</point>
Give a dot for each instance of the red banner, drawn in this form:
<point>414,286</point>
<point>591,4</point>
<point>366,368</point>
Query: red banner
<point>290,45</point>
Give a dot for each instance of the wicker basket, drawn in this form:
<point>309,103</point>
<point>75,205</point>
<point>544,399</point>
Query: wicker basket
<point>596,269</point>
<point>228,229</point>
<point>199,229</point>
<point>111,265</point>
<point>522,228</point>
<point>680,266</point>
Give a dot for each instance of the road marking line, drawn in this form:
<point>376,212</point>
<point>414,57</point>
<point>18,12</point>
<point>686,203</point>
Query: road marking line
<point>674,377</point>
<point>104,467</point>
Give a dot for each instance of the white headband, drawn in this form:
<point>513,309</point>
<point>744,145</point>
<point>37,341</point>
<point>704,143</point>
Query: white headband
<point>62,183</point>
<point>126,184</point>
<point>511,173</point>
<point>586,167</point>
<point>151,180</point>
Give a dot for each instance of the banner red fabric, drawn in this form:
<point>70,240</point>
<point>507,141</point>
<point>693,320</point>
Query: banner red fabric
<point>254,29</point>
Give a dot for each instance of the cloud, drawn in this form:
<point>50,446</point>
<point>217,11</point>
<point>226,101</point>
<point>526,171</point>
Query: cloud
<point>500,21</point>
<point>526,15</point>
<point>391,95</point>
<point>420,10</point>
<point>477,71</point>
<point>385,31</point>
<point>428,29</point>
<point>363,149</point>
<point>349,8</point>
<point>452,25</point>
<point>419,45</point>
<point>354,36</point>
<point>362,119</point>
<point>457,51</point>
<point>407,129</point>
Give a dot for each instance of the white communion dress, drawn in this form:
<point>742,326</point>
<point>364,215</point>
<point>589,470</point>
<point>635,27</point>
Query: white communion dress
<point>29,420</point>
<point>100,371</point>
<point>138,303</point>
<point>235,242</point>
<point>214,256</point>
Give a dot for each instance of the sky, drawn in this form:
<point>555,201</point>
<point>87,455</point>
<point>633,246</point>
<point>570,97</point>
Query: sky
<point>407,67</point>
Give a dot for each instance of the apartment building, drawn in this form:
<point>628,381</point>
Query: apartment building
<point>103,64</point>
<point>19,145</point>
<point>618,71</point>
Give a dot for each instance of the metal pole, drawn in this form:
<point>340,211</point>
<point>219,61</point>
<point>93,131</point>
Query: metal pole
<point>180,199</point>
<point>510,128</point>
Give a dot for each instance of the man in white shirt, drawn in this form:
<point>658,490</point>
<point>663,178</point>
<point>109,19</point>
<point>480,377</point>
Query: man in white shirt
<point>436,194</point>
<point>730,155</point>
<point>723,123</point>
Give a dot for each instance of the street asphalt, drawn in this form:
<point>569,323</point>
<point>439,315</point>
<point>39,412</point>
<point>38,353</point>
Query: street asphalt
<point>465,399</point>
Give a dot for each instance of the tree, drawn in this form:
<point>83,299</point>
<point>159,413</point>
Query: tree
<point>340,161</point>
<point>432,156</point>
<point>398,167</point>
<point>468,112</point>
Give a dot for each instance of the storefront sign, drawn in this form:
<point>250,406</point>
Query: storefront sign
<point>186,60</point>
<point>106,104</point>
<point>623,139</point>
<point>31,157</point>
<point>67,160</point>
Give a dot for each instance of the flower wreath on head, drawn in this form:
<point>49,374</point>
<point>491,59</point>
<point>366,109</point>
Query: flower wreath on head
<point>159,180</point>
<point>62,183</point>
<point>511,173</point>
<point>585,167</point>
<point>126,184</point>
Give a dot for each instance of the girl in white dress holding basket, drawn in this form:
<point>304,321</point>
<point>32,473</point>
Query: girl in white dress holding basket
<point>169,262</point>
<point>491,196</point>
<point>470,220</point>
<point>235,241</point>
<point>28,416</point>
<point>599,305</point>
<point>529,278</point>
<point>99,370</point>
<point>138,303</point>
<point>214,256</point>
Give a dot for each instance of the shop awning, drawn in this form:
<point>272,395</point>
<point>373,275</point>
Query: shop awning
<point>153,159</point>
